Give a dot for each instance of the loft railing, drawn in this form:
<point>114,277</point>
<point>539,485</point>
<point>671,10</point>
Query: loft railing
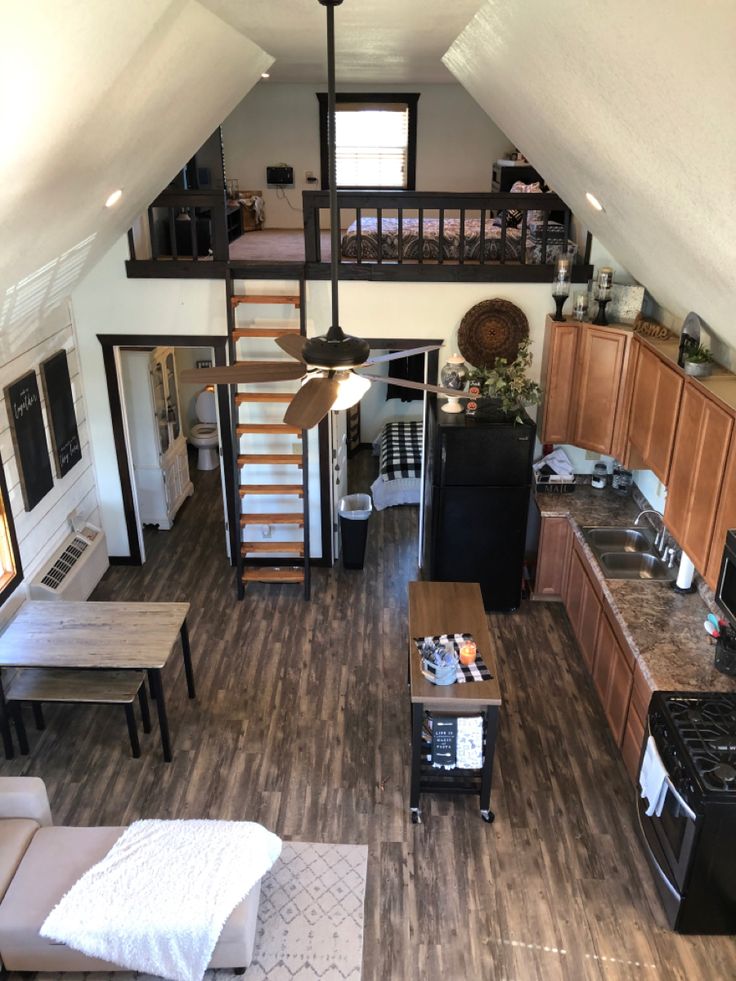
<point>182,225</point>
<point>423,227</point>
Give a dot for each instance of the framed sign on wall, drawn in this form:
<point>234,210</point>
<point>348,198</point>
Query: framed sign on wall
<point>57,388</point>
<point>23,403</point>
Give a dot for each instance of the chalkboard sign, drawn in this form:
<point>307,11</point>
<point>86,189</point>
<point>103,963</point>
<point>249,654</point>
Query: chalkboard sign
<point>57,388</point>
<point>29,439</point>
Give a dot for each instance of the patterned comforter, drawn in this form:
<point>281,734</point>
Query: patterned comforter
<point>430,246</point>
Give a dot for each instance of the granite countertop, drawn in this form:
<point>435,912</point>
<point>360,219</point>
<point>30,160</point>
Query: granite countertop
<point>664,629</point>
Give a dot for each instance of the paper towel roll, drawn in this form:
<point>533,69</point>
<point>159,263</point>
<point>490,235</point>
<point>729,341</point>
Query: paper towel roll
<point>685,573</point>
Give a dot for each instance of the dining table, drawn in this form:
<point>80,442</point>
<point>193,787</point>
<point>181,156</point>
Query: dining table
<point>102,635</point>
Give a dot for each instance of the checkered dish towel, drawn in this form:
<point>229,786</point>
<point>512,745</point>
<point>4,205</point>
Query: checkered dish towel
<point>465,672</point>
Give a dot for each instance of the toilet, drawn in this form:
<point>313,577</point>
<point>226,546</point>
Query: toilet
<point>203,435</point>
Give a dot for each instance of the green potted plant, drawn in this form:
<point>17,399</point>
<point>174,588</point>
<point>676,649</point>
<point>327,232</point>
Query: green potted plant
<point>505,387</point>
<point>698,362</point>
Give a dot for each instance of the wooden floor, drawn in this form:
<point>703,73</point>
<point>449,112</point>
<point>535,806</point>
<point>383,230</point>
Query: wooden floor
<point>302,723</point>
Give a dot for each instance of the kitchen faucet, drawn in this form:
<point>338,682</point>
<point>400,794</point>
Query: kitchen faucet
<point>661,533</point>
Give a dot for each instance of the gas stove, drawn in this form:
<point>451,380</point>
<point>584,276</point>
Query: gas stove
<point>706,727</point>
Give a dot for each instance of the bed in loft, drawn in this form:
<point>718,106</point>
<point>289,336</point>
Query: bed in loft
<point>399,448</point>
<point>469,241</point>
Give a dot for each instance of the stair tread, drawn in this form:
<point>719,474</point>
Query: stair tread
<point>290,548</point>
<point>285,518</point>
<point>266,427</point>
<point>290,459</point>
<point>271,489</point>
<point>273,574</point>
<point>289,299</point>
<point>242,332</point>
<point>242,397</point>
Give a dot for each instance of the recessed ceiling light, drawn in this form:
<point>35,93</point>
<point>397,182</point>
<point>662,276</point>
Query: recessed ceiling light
<point>594,202</point>
<point>265,75</point>
<point>113,198</point>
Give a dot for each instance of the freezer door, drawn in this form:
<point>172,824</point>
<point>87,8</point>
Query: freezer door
<point>487,456</point>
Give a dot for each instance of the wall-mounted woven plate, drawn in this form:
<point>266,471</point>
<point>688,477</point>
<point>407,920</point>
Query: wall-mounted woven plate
<point>489,330</point>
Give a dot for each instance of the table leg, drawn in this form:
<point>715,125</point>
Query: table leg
<point>154,680</point>
<point>145,713</point>
<point>187,653</point>
<point>135,746</point>
<point>489,749</point>
<point>5,726</point>
<point>20,728</point>
<point>417,719</point>
<point>38,716</point>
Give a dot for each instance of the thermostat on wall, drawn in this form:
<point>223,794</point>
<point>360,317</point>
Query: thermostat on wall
<point>279,176</point>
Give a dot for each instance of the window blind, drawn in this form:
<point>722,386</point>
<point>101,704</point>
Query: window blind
<point>371,145</point>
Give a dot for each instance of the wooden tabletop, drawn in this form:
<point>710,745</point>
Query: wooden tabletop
<point>91,635</point>
<point>456,608</point>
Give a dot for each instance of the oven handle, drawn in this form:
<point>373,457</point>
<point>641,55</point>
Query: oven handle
<point>662,874</point>
<point>673,790</point>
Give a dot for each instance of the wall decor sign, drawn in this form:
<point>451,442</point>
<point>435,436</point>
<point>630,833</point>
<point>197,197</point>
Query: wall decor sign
<point>23,403</point>
<point>57,387</point>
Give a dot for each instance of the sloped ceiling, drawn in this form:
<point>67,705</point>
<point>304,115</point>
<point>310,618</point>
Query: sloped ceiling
<point>96,96</point>
<point>634,102</point>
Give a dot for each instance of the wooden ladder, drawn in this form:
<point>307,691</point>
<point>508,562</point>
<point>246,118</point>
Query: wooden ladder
<point>268,561</point>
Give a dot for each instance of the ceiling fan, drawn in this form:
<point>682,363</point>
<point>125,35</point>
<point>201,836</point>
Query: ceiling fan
<point>326,364</point>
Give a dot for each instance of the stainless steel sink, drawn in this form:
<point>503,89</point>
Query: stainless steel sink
<point>635,565</point>
<point>619,539</point>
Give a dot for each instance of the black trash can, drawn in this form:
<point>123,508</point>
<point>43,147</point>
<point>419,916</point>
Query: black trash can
<point>354,510</point>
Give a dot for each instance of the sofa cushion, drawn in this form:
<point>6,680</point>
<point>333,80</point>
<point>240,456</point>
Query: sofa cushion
<point>15,836</point>
<point>56,858</point>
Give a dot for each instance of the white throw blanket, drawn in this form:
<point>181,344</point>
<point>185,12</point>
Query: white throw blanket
<point>653,779</point>
<point>157,902</point>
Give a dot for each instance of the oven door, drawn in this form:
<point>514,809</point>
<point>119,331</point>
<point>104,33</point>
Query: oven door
<point>671,835</point>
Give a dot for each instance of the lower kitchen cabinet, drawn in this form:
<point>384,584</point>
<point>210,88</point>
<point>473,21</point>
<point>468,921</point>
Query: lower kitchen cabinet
<point>613,677</point>
<point>636,723</point>
<point>555,539</point>
<point>583,606</point>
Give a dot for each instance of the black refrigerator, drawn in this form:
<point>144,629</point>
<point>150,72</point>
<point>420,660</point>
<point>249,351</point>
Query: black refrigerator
<point>477,485</point>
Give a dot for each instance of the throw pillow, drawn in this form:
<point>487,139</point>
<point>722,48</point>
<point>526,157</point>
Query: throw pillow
<point>521,188</point>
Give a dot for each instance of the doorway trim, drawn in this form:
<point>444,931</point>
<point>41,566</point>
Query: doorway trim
<point>325,471</point>
<point>218,343</point>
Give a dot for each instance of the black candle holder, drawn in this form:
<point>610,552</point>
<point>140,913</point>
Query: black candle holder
<point>559,304</point>
<point>600,317</point>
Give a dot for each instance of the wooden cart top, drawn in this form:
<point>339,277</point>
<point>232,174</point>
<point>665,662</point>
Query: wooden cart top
<point>451,607</point>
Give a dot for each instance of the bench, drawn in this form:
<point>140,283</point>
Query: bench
<point>78,686</point>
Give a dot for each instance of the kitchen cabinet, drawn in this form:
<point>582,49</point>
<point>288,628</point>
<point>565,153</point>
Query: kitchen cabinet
<point>553,558</point>
<point>699,459</point>
<point>725,517</point>
<point>655,403</point>
<point>636,723</point>
<point>582,605</point>
<point>585,385</point>
<point>613,676</point>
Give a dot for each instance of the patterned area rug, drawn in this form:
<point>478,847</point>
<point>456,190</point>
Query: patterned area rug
<point>310,921</point>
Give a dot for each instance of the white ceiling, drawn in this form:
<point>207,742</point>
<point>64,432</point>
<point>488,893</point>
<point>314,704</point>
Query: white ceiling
<point>634,102</point>
<point>386,41</point>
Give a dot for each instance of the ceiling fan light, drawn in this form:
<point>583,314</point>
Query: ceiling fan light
<point>352,389</point>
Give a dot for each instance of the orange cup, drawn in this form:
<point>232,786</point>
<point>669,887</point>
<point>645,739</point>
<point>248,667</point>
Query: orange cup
<point>467,652</point>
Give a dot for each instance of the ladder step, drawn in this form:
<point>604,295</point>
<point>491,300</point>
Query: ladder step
<point>293,301</point>
<point>271,489</point>
<point>279,428</point>
<point>289,548</point>
<point>242,397</point>
<point>273,574</point>
<point>295,459</point>
<point>241,332</point>
<point>295,518</point>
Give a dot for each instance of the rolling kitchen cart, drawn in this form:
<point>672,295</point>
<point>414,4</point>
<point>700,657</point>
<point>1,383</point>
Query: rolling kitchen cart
<point>440,608</point>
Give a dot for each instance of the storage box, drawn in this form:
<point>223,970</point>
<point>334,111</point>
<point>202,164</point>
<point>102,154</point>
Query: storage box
<point>543,484</point>
<point>251,222</point>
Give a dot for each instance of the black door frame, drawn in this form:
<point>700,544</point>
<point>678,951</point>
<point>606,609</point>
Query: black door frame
<point>218,343</point>
<point>325,470</point>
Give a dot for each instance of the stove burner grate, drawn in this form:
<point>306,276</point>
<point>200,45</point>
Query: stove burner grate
<point>706,725</point>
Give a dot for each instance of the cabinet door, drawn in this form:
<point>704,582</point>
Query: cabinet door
<point>654,410</point>
<point>632,743</point>
<point>553,558</point>
<point>560,355</point>
<point>602,355</point>
<point>698,462</point>
<point>613,678</point>
<point>725,518</point>
<point>583,608</point>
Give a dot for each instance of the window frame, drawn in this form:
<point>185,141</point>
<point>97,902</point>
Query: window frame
<point>410,99</point>
<point>6,515</point>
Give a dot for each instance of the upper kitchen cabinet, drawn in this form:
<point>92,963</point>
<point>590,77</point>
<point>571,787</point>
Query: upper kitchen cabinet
<point>655,403</point>
<point>699,459</point>
<point>584,377</point>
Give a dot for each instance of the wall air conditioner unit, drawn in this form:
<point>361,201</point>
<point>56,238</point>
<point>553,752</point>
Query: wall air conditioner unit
<point>74,569</point>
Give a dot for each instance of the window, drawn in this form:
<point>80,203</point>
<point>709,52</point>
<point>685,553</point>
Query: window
<point>11,573</point>
<point>376,139</point>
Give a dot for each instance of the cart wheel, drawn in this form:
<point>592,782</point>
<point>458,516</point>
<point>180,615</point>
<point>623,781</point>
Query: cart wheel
<point>416,815</point>
<point>488,816</point>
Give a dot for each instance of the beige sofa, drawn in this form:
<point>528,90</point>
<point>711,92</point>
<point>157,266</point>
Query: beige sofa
<point>40,862</point>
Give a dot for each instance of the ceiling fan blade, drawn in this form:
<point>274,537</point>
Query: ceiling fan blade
<point>422,386</point>
<point>293,344</point>
<point>252,371</point>
<point>403,354</point>
<point>312,402</point>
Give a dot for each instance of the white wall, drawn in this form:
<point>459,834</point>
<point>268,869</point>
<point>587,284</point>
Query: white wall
<point>41,529</point>
<point>456,142</point>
